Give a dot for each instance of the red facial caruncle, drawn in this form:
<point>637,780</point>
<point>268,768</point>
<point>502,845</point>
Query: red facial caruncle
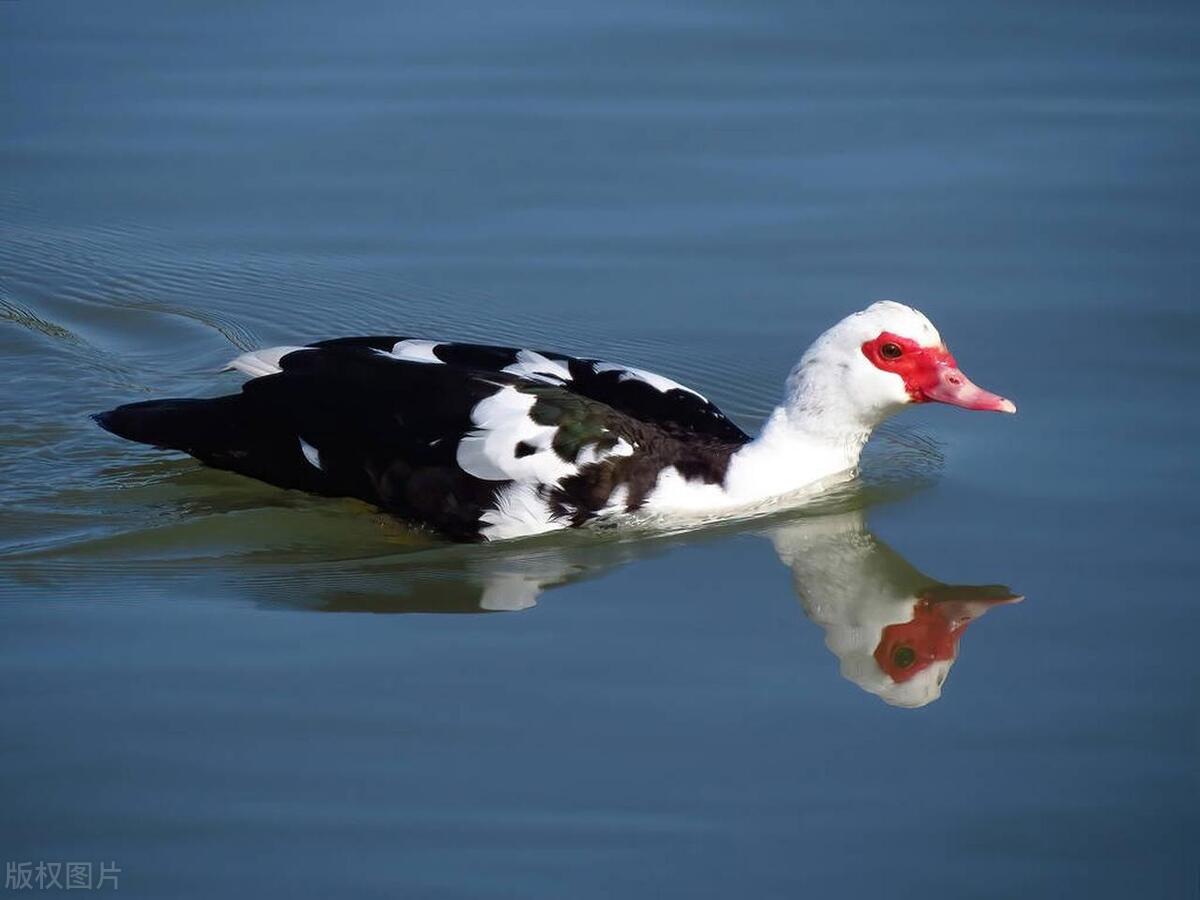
<point>910,647</point>
<point>930,374</point>
<point>940,615</point>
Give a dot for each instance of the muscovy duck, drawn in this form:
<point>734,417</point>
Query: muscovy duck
<point>488,443</point>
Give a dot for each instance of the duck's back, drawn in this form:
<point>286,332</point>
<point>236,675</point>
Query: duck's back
<point>473,440</point>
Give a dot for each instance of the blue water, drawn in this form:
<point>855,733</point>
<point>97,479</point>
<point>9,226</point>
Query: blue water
<point>230,690</point>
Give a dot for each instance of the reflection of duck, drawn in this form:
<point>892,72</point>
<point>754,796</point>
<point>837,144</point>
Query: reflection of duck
<point>446,580</point>
<point>894,630</point>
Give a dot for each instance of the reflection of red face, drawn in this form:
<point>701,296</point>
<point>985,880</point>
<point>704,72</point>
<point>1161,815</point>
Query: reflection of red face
<point>909,647</point>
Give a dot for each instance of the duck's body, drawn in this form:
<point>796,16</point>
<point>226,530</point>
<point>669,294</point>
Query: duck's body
<point>483,442</point>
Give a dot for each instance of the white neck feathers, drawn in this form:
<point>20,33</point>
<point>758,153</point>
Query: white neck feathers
<point>830,409</point>
<point>793,452</point>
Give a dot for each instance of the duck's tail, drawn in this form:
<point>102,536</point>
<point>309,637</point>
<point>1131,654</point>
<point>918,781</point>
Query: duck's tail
<point>203,428</point>
<point>231,433</point>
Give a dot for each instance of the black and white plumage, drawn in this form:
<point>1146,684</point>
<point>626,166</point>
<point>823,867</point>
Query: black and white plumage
<point>472,440</point>
<point>483,442</point>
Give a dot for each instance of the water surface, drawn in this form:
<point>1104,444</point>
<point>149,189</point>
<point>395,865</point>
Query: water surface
<point>233,690</point>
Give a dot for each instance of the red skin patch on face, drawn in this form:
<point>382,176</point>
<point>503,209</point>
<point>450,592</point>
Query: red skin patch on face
<point>907,648</point>
<point>918,366</point>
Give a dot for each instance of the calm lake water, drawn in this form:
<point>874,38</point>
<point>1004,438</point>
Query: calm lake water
<point>231,690</point>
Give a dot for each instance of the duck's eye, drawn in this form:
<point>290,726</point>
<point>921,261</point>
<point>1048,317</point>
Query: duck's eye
<point>890,351</point>
<point>903,657</point>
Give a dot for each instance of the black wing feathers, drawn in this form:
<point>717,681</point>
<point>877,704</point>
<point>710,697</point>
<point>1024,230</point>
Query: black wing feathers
<point>677,410</point>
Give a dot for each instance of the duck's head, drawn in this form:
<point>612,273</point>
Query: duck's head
<point>874,362</point>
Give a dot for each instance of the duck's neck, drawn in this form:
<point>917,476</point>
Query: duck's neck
<point>817,434</point>
<point>789,455</point>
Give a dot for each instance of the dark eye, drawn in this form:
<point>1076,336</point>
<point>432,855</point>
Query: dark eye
<point>890,351</point>
<point>903,657</point>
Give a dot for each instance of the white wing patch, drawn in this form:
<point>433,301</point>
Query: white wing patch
<point>490,451</point>
<point>413,351</point>
<point>590,454</point>
<point>502,423</point>
<point>536,367</point>
<point>311,453</point>
<point>659,382</point>
<point>263,362</point>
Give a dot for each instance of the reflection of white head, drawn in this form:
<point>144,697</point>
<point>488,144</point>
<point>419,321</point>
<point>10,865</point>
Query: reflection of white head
<point>869,601</point>
<point>855,646</point>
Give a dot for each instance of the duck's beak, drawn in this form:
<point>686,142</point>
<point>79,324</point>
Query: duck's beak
<point>950,385</point>
<point>962,602</point>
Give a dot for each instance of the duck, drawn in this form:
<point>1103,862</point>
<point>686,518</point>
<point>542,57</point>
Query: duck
<point>484,443</point>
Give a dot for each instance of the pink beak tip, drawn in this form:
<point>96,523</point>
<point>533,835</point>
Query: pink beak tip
<point>1006,406</point>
